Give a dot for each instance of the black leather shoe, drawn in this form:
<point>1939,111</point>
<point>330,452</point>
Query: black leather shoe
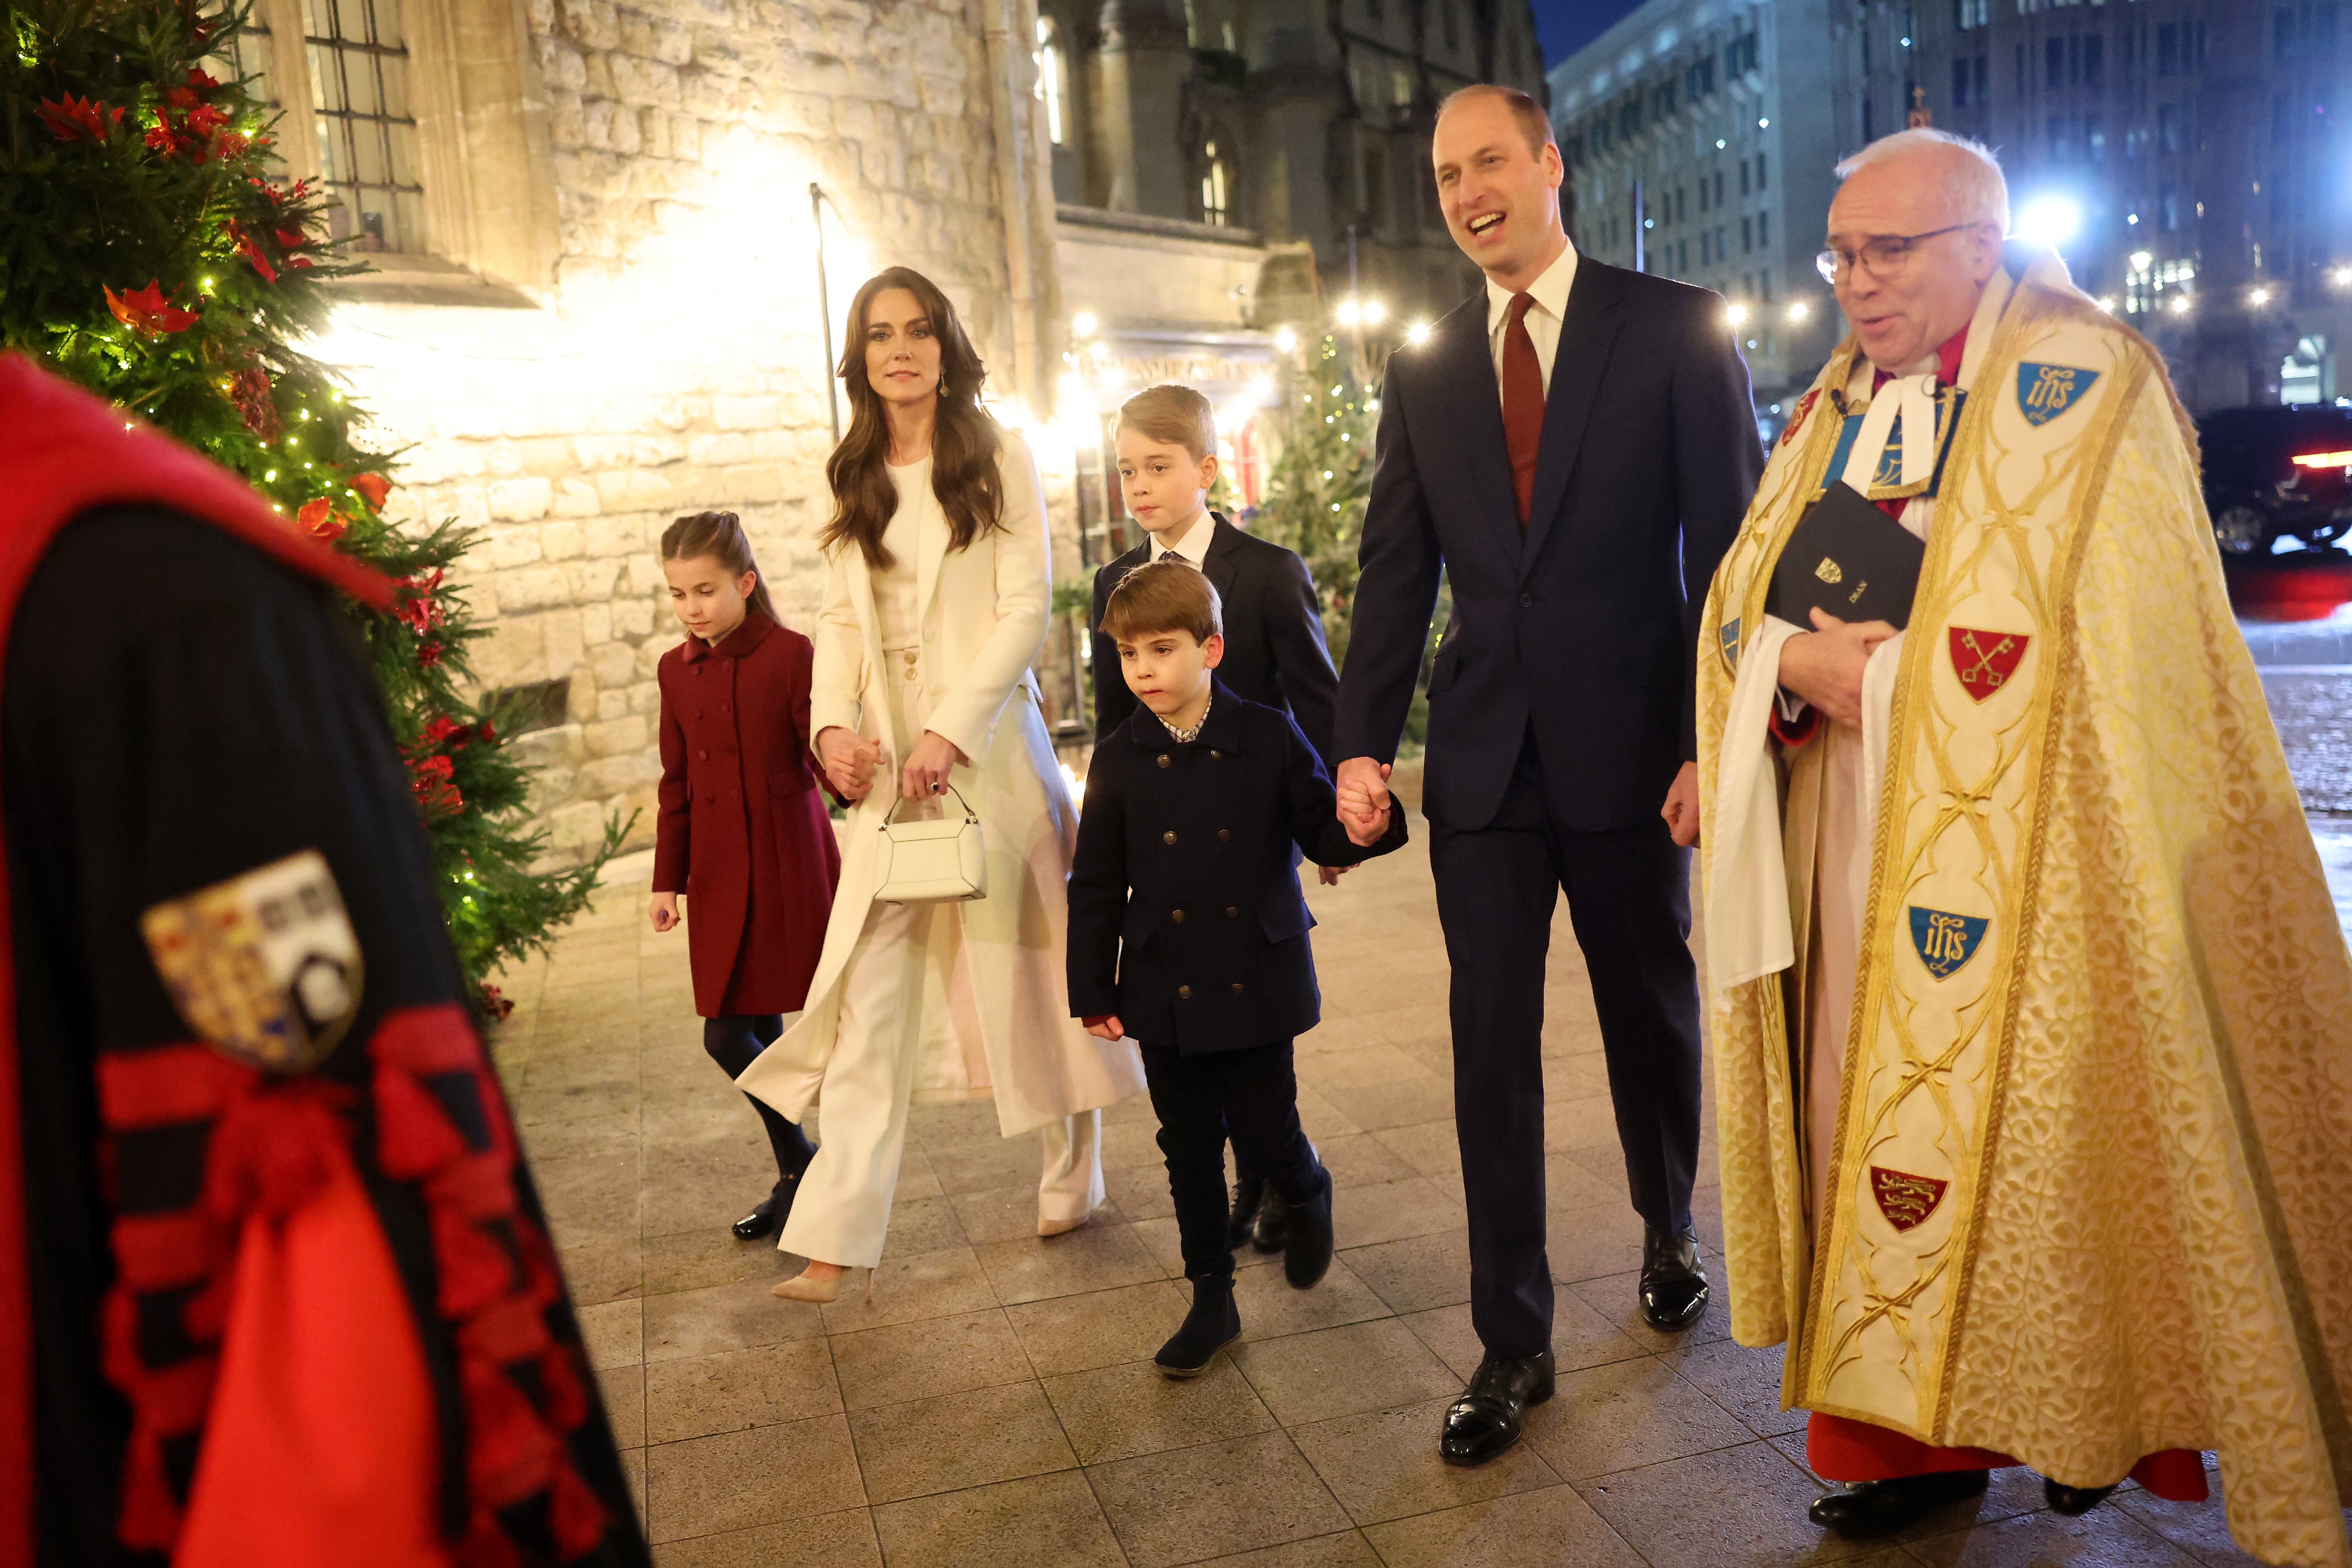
<point>1249,1203</point>
<point>1214,1323</point>
<point>773,1210</point>
<point>1271,1232</point>
<point>2073,1501</point>
<point>1674,1284</point>
<point>1306,1251</point>
<point>1881,1508</point>
<point>1493,1410</point>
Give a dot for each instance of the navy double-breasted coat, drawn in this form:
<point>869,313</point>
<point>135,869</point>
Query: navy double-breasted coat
<point>742,830</point>
<point>1186,917</point>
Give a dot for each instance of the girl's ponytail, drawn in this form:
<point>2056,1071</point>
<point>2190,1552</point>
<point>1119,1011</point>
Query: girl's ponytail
<point>720,536</point>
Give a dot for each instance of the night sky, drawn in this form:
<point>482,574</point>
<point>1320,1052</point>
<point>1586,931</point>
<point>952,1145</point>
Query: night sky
<point>1567,26</point>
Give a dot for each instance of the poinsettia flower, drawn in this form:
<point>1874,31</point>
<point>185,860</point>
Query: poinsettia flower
<point>291,239</point>
<point>71,117</point>
<point>200,81</point>
<point>231,145</point>
<point>372,488</point>
<point>253,252</point>
<point>433,781</point>
<point>203,120</point>
<point>163,140</point>
<point>319,518</point>
<point>147,310</point>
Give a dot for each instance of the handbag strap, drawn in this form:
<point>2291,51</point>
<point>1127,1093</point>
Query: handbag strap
<point>969,815</point>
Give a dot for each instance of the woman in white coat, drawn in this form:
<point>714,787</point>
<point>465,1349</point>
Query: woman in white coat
<point>937,598</point>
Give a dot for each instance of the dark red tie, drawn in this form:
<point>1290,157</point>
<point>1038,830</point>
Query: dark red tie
<point>1523,403</point>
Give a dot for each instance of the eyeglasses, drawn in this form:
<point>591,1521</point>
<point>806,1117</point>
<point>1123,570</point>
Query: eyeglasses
<point>1881,256</point>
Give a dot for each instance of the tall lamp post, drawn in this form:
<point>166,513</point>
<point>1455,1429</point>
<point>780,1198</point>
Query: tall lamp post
<point>824,309</point>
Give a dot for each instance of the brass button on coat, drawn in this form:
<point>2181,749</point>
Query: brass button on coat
<point>1184,992</point>
<point>1224,834</point>
<point>1237,987</point>
<point>1163,759</point>
<point>1169,837</point>
<point>1178,916</point>
<point>1231,913</point>
<point>1216,756</point>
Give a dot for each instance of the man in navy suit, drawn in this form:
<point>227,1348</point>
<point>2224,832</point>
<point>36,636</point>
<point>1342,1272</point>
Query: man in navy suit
<point>1574,449</point>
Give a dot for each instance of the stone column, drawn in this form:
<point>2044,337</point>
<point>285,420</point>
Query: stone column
<point>1140,68</point>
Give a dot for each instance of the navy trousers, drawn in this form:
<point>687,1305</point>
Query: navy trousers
<point>1629,899</point>
<point>1251,1094</point>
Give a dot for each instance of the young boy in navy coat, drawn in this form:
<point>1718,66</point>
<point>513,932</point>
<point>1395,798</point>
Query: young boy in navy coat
<point>1188,929</point>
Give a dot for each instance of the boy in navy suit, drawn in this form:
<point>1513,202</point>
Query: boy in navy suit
<point>1188,929</point>
<point>1272,624</point>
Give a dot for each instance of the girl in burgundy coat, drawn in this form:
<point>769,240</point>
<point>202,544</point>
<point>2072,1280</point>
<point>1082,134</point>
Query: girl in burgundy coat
<point>742,830</point>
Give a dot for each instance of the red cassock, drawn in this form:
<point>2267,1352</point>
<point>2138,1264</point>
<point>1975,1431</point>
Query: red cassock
<point>743,832</point>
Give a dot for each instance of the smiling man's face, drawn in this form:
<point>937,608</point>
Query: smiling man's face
<point>1932,292</point>
<point>1500,196</point>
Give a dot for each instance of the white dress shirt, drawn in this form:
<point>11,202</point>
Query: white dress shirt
<point>1194,546</point>
<point>1544,317</point>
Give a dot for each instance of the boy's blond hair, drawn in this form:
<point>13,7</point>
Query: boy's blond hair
<point>1173,413</point>
<point>1165,596</point>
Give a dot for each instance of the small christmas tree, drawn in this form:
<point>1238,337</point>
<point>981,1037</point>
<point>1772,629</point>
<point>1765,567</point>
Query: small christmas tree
<point>151,250</point>
<point>1317,491</point>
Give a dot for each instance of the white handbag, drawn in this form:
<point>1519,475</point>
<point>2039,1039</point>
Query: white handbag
<point>930,862</point>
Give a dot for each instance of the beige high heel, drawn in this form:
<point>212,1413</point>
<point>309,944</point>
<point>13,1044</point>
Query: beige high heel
<point>1060,1227</point>
<point>818,1292</point>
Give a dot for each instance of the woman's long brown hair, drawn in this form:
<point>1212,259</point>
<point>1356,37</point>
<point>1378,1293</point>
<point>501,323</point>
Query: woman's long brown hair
<point>721,536</point>
<point>964,439</point>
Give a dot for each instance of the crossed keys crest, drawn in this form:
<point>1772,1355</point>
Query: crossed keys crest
<point>1985,660</point>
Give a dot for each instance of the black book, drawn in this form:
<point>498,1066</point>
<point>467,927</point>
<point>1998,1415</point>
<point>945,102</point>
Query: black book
<point>1848,559</point>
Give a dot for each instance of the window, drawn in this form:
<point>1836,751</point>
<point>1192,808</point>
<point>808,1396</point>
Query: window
<point>1959,84</point>
<point>1743,176</point>
<point>2167,51</point>
<point>1722,246</point>
<point>2168,208</point>
<point>1706,248</point>
<point>1764,239</point>
<point>1450,19</point>
<point>1216,182</point>
<point>1747,235</point>
<point>1400,86</point>
<point>2094,138</point>
<point>2169,137</point>
<point>2055,140</point>
<point>1052,84</point>
<point>357,58</point>
<point>1718,187</point>
<point>1983,78</point>
<point>2053,64</point>
<point>2095,60</point>
<point>1761,181</point>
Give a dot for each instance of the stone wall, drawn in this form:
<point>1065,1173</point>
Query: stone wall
<point>676,365</point>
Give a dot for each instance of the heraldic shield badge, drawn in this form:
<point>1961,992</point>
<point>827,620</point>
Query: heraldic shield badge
<point>1985,660</point>
<point>1945,942</point>
<point>264,966</point>
<point>2046,391</point>
<point>1905,1199</point>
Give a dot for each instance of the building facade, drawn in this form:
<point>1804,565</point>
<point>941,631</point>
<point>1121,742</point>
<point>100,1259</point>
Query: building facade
<point>1697,149</point>
<point>2187,156</point>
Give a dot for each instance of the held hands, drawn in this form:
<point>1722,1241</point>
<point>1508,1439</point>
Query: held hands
<point>1681,810</point>
<point>1363,802</point>
<point>1106,1028</point>
<point>664,910</point>
<point>925,772</point>
<point>1824,666</point>
<point>849,761</point>
<point>1329,875</point>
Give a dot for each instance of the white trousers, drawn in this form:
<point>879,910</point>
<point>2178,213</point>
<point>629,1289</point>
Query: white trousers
<point>841,1212</point>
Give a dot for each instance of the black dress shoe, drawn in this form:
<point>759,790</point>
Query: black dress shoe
<point>1674,1284</point>
<point>1249,1203</point>
<point>1306,1251</point>
<point>1493,1410</point>
<point>2073,1501</point>
<point>1271,1232</point>
<point>1881,1508</point>
<point>1213,1324</point>
<point>773,1210</point>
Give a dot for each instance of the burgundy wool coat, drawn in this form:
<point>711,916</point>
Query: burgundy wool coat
<point>742,831</point>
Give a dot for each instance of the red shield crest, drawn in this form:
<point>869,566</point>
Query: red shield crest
<point>1985,660</point>
<point>1906,1199</point>
<point>1804,407</point>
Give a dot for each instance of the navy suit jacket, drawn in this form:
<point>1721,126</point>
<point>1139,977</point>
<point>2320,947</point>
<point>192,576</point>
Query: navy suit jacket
<point>1583,626</point>
<point>1274,651</point>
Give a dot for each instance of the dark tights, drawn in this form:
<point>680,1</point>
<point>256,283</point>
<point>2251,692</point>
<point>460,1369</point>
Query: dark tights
<point>1250,1094</point>
<point>733,1042</point>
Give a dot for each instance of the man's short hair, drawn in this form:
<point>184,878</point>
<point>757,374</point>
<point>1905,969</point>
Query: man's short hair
<point>1164,596</point>
<point>1534,123</point>
<point>1173,413</point>
<point>1974,189</point>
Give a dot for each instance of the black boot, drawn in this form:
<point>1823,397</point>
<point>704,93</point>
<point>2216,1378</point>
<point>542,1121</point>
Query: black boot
<point>1271,1232</point>
<point>772,1211</point>
<point>793,1152</point>
<point>1307,1255</point>
<point>1249,1194</point>
<point>2073,1501</point>
<point>1214,1323</point>
<point>1881,1508</point>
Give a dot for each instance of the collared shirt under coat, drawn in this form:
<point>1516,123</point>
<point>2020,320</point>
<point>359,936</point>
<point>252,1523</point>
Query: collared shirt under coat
<point>1544,317</point>
<point>1186,917</point>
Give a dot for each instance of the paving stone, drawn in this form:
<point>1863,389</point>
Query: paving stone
<point>1342,1371</point>
<point>920,1360</point>
<point>1037,1521</point>
<point>1384,1464</point>
<point>1215,1500</point>
<point>1550,1525</point>
<point>959,1440</point>
<point>1120,1412</point>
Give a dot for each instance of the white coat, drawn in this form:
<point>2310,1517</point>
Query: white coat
<point>984,612</point>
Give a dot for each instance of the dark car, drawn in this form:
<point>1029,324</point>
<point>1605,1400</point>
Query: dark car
<point>2277,473</point>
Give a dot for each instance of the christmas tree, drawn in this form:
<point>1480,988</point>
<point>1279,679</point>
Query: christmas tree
<point>152,250</point>
<point>1317,487</point>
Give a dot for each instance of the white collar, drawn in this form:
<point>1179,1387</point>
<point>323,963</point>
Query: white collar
<point>1550,290</point>
<point>1195,547</point>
